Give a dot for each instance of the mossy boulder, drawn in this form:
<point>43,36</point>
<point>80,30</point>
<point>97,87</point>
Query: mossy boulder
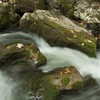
<point>66,78</point>
<point>49,85</point>
<point>17,52</point>
<point>58,30</point>
<point>8,19</point>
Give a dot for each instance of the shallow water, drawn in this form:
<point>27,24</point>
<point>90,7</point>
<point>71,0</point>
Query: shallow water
<point>57,57</point>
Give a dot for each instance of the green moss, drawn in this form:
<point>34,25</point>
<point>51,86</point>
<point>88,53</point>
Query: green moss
<point>65,80</point>
<point>42,59</point>
<point>50,91</point>
<point>34,80</point>
<point>77,85</point>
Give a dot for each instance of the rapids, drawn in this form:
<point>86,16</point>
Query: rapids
<point>56,57</point>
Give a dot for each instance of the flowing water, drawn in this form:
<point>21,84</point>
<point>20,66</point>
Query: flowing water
<point>56,57</point>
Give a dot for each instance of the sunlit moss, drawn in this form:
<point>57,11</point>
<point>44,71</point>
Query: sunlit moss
<point>50,90</point>
<point>65,80</point>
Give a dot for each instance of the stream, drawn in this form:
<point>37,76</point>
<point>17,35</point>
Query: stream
<point>56,58</point>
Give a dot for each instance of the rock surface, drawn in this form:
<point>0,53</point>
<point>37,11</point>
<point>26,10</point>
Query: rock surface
<point>50,84</point>
<point>58,30</point>
<point>18,52</point>
<point>22,6</point>
<point>66,7</point>
<point>8,19</point>
<point>88,10</point>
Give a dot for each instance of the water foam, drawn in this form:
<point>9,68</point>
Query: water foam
<point>61,57</point>
<point>6,87</point>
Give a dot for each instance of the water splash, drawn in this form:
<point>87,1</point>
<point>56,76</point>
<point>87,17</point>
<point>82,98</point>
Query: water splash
<point>6,87</point>
<point>61,57</point>
<point>56,57</point>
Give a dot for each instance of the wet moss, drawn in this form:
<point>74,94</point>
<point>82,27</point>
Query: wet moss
<point>65,80</point>
<point>28,52</point>
<point>42,60</point>
<point>34,80</point>
<point>50,91</point>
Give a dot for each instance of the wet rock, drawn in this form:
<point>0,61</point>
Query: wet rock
<point>67,78</point>
<point>86,12</point>
<point>95,28</point>
<point>89,82</point>
<point>52,4</point>
<point>66,7</point>
<point>17,52</point>
<point>58,30</point>
<point>49,85</point>
<point>22,6</point>
<point>98,42</point>
<point>19,70</point>
<point>8,19</point>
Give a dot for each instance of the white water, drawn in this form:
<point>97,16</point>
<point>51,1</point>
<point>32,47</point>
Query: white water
<point>61,57</point>
<point>56,56</point>
<point>6,87</point>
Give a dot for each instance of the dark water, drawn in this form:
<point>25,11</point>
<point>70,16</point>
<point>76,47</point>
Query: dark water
<point>91,94</point>
<point>56,57</point>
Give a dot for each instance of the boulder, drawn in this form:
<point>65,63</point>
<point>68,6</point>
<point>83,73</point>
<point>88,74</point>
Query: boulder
<point>67,78</point>
<point>48,85</point>
<point>19,52</point>
<point>58,30</point>
<point>89,82</point>
<point>66,7</point>
<point>22,6</point>
<point>88,10</point>
<point>8,19</point>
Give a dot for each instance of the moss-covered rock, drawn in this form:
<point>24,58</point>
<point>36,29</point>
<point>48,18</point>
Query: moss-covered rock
<point>58,30</point>
<point>17,52</point>
<point>67,7</point>
<point>64,81</point>
<point>8,19</point>
<point>14,20</point>
<point>50,84</point>
<point>50,91</point>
